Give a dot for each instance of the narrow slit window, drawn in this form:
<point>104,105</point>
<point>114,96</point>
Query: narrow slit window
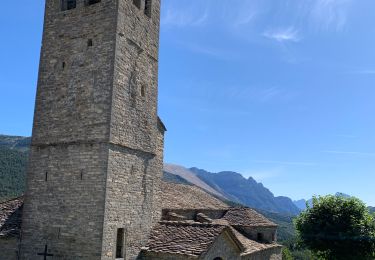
<point>63,65</point>
<point>68,4</point>
<point>120,243</point>
<point>143,91</point>
<point>137,3</point>
<point>90,43</point>
<point>92,2</point>
<point>46,176</point>
<point>148,7</point>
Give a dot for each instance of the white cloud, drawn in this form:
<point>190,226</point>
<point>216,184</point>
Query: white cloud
<point>245,19</point>
<point>330,14</point>
<point>289,34</point>
<point>183,18</point>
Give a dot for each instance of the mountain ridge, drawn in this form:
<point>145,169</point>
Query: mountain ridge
<point>247,191</point>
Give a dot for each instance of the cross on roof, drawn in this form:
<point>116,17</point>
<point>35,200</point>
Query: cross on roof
<point>45,253</point>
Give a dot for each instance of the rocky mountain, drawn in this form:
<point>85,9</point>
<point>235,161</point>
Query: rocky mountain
<point>247,191</point>
<point>301,204</point>
<point>192,178</point>
<point>232,186</point>
<point>172,178</point>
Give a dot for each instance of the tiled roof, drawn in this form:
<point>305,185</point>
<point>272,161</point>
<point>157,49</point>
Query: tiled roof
<point>11,217</point>
<point>247,217</point>
<point>178,196</point>
<point>251,246</point>
<point>183,238</point>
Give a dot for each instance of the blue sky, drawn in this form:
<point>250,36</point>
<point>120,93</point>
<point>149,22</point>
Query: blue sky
<point>281,90</point>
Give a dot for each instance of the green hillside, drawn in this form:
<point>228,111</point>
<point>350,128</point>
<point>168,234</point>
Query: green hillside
<point>12,173</point>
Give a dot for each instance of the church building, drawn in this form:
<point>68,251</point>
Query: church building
<point>96,159</point>
<point>97,146</point>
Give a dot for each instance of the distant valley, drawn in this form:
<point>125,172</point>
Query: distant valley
<point>229,186</point>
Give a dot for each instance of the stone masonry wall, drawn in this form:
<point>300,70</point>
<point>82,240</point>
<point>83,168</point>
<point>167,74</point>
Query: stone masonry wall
<point>136,153</point>
<point>73,100</point>
<point>131,185</point>
<point>223,247</point>
<point>135,89</point>
<point>268,233</point>
<point>64,205</point>
<point>8,248</point>
<point>97,152</point>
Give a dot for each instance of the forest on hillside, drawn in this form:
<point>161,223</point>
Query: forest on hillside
<point>12,168</point>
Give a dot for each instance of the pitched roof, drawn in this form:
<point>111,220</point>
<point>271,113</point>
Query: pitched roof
<point>11,217</point>
<point>247,217</point>
<point>178,196</point>
<point>183,238</point>
<point>251,246</point>
<point>161,125</point>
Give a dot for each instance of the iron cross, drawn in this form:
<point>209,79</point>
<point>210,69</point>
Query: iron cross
<point>45,253</point>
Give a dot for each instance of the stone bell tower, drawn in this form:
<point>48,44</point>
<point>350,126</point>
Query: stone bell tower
<point>97,147</point>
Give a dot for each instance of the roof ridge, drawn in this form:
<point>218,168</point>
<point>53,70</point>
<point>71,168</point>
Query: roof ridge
<point>9,200</point>
<point>184,223</point>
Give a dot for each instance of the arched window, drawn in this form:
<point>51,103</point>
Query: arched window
<point>260,237</point>
<point>218,258</point>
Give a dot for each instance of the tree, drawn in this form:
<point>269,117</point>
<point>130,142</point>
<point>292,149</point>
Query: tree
<point>337,228</point>
<point>287,255</point>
